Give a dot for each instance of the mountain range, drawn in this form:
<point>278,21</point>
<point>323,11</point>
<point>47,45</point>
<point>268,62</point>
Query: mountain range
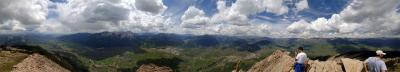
<point>126,51</point>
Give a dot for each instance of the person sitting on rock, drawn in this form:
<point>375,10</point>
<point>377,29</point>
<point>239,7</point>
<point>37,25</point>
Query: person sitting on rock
<point>301,58</point>
<point>376,64</point>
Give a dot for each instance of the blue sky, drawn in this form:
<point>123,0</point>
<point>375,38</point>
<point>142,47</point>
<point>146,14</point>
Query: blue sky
<point>269,18</point>
<point>317,8</point>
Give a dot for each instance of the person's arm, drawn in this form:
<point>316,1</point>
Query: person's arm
<point>383,67</point>
<point>296,58</point>
<point>366,67</point>
<point>305,59</point>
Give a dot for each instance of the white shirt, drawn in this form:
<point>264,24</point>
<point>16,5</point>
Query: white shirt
<point>301,57</point>
<point>375,64</point>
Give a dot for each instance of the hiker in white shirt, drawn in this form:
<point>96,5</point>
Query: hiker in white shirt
<point>376,64</point>
<point>300,60</point>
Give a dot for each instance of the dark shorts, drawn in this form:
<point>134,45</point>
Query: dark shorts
<point>299,67</point>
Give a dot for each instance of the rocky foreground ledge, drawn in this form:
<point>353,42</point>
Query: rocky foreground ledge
<point>38,63</point>
<point>280,61</point>
<point>30,59</point>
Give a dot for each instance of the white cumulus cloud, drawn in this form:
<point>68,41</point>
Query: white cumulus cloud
<point>153,6</point>
<point>369,18</point>
<point>333,25</point>
<point>303,4</point>
<point>298,27</point>
<point>22,14</point>
<point>194,18</point>
<point>111,15</point>
<point>374,16</point>
<point>362,18</point>
<point>238,13</point>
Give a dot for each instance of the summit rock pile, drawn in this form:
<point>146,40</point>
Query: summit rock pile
<point>280,61</point>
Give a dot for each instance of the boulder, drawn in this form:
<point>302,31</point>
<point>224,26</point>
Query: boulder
<point>352,65</point>
<point>324,66</point>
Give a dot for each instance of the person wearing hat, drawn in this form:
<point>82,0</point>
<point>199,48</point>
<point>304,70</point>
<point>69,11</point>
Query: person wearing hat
<point>376,64</point>
<point>300,60</point>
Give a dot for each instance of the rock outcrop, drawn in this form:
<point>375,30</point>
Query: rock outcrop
<point>324,66</point>
<point>153,68</point>
<point>280,61</point>
<point>352,65</point>
<point>38,63</point>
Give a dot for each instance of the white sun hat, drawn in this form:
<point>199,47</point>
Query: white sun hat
<point>380,52</point>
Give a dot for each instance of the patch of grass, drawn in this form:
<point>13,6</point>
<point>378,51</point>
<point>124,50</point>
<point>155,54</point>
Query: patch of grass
<point>127,61</point>
<point>7,67</point>
<point>212,60</point>
<point>322,50</point>
<point>8,60</point>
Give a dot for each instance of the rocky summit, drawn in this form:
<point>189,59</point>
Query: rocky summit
<point>280,61</point>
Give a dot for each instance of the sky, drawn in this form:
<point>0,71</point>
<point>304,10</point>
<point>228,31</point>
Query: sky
<point>265,18</point>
